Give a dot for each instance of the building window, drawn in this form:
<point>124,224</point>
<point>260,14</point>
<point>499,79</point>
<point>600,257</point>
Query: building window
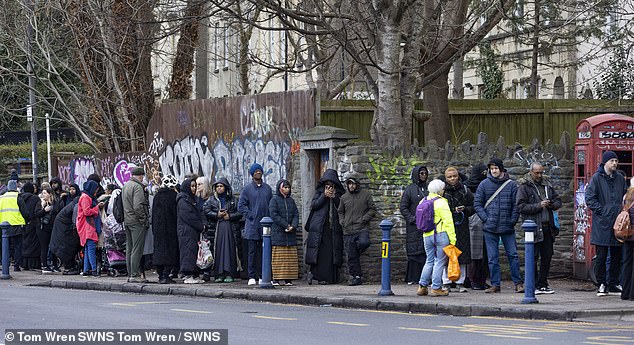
<point>558,88</point>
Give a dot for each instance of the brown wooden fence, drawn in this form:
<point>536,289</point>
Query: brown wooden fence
<point>516,120</point>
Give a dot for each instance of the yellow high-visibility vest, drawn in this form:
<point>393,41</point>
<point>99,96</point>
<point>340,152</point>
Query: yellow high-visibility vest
<point>9,210</point>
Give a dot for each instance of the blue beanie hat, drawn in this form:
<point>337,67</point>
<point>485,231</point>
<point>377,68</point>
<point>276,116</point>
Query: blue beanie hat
<point>607,155</point>
<point>254,167</point>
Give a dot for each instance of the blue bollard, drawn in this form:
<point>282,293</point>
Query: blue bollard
<point>529,228</point>
<point>386,269</point>
<point>6,259</point>
<point>266,223</point>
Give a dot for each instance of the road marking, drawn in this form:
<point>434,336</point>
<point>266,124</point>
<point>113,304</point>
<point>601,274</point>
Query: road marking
<point>134,304</point>
<point>392,312</point>
<point>274,318</point>
<point>348,324</point>
<point>192,311</point>
<point>611,339</point>
<point>513,336</point>
<point>420,329</point>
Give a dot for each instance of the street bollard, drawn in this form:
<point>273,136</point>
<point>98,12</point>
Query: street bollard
<point>386,269</point>
<point>6,259</point>
<point>529,228</point>
<point>266,223</point>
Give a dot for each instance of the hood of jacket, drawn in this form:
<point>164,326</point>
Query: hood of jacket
<point>223,181</point>
<point>415,178</point>
<point>477,175</point>
<point>186,189</point>
<point>90,187</point>
<point>332,176</point>
<point>59,183</point>
<point>277,188</point>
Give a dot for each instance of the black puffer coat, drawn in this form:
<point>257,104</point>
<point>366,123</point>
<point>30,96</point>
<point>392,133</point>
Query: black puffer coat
<point>30,206</point>
<point>412,196</point>
<point>189,225</point>
<point>212,207</point>
<point>322,210</point>
<point>604,196</point>
<point>284,212</point>
<point>64,239</point>
<point>164,228</point>
<point>459,195</point>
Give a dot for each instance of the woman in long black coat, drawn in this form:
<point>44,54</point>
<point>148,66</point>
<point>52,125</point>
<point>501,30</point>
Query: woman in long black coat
<point>164,219</point>
<point>414,246</point>
<point>324,245</point>
<point>189,226</point>
<point>30,206</point>
<point>64,238</point>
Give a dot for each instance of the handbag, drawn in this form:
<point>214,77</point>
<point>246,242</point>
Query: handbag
<point>205,257</point>
<point>623,229</point>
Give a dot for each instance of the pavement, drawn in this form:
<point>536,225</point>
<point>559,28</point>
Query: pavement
<point>574,300</point>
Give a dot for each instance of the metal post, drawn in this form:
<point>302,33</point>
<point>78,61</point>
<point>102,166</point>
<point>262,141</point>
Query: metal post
<point>28,4</point>
<point>529,228</point>
<point>6,260</point>
<point>386,269</point>
<point>48,145</point>
<point>266,223</point>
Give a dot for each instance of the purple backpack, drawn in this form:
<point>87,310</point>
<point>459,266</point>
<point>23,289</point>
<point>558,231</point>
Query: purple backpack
<point>425,215</point>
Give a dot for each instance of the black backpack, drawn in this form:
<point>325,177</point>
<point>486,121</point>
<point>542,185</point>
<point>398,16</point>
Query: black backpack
<point>117,208</point>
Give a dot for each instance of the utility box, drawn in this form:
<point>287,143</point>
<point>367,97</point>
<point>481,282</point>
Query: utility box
<point>595,135</point>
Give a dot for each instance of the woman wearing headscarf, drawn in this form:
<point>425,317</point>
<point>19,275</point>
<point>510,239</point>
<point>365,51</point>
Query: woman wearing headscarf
<point>51,205</point>
<point>223,225</point>
<point>89,226</point>
<point>414,246</point>
<point>285,215</point>
<point>189,225</point>
<point>30,206</point>
<point>165,256</point>
<point>479,268</point>
<point>64,239</point>
<point>324,244</point>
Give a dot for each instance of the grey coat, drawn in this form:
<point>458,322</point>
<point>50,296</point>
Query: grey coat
<point>604,196</point>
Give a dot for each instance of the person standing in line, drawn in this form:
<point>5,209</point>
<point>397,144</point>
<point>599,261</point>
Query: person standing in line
<point>356,210</point>
<point>10,212</point>
<point>136,222</point>
<point>64,238</point>
<point>30,206</point>
<point>166,255</point>
<point>51,205</point>
<point>435,241</point>
<point>460,202</point>
<point>223,226</point>
<point>285,217</point>
<point>604,197</point>
<point>478,269</point>
<point>414,245</point>
<point>89,226</point>
<point>537,200</point>
<point>189,225</point>
<point>495,204</point>
<point>628,250</point>
<point>254,205</point>
<point>324,243</point>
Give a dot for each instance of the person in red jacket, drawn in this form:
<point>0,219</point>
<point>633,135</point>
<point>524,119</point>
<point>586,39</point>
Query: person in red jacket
<point>89,226</point>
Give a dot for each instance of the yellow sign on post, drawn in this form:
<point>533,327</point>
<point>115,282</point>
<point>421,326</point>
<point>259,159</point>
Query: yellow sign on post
<point>385,248</point>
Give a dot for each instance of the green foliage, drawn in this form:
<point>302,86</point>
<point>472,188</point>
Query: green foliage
<point>12,152</point>
<point>617,80</point>
<point>490,72</point>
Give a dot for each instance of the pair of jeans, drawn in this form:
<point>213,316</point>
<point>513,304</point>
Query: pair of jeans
<point>254,264</point>
<point>90,257</point>
<point>491,241</point>
<point>436,260</point>
<point>615,265</point>
<point>356,244</point>
<point>543,251</point>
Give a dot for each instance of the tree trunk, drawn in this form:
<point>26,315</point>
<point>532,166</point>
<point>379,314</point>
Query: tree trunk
<point>388,128</point>
<point>180,86</point>
<point>532,92</point>
<point>435,99</point>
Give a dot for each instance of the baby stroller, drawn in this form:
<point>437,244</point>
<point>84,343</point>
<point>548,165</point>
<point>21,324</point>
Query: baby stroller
<point>114,245</point>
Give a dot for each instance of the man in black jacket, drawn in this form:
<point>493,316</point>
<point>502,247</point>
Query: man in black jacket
<point>537,200</point>
<point>356,209</point>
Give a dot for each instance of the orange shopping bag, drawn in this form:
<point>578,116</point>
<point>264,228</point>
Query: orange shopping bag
<point>453,268</point>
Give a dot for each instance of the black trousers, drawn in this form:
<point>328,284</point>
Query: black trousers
<point>544,251</point>
<point>615,264</point>
<point>628,271</point>
<point>15,245</point>
<point>356,244</point>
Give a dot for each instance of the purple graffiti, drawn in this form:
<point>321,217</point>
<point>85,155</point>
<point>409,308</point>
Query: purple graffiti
<point>122,172</point>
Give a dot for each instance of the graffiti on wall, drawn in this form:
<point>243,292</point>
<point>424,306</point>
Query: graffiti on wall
<point>194,155</point>
<point>582,224</point>
<point>526,158</point>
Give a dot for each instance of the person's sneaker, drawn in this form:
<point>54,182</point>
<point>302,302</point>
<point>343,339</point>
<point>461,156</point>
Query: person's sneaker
<point>275,283</point>
<point>446,287</point>
<point>260,281</point>
<point>519,288</point>
<point>17,269</point>
<point>219,279</point>
<point>251,282</point>
<point>615,290</point>
<point>603,291</point>
<point>140,280</point>
<point>422,290</point>
<point>192,280</point>
<point>492,289</point>
<point>544,291</point>
<point>288,283</point>
<point>96,274</point>
<point>88,274</point>
<point>461,288</point>
<point>438,292</point>
<point>72,272</point>
<point>356,280</point>
<point>228,279</point>
<point>56,269</point>
<point>46,270</point>
<point>477,287</point>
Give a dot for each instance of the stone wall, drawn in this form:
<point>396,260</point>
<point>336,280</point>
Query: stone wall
<point>387,174</point>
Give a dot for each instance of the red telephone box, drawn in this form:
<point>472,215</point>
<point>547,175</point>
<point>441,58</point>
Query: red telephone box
<point>596,135</point>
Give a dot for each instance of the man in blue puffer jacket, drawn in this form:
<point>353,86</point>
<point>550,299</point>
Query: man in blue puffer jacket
<point>499,216</point>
